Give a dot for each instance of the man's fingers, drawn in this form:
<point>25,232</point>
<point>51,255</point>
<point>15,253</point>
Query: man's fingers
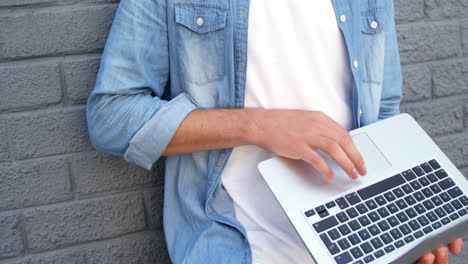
<point>427,259</point>
<point>313,158</point>
<point>334,150</point>
<point>441,255</point>
<point>456,246</point>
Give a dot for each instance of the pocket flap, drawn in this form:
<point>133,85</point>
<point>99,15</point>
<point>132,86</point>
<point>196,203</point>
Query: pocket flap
<point>200,17</point>
<point>373,20</point>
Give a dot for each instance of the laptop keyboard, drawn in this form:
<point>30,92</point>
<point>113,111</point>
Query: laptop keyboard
<point>376,220</point>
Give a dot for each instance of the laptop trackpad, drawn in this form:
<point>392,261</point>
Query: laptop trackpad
<point>374,159</point>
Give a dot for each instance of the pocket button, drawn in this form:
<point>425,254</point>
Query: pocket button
<point>374,24</point>
<point>200,21</point>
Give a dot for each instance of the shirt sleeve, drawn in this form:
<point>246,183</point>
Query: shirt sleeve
<point>392,80</point>
<point>125,113</point>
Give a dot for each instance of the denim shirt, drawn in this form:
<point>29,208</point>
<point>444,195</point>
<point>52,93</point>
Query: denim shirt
<point>165,58</point>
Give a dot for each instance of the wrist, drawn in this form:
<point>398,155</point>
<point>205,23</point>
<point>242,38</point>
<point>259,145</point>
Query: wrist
<point>253,120</point>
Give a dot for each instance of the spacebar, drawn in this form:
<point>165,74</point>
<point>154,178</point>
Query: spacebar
<point>380,187</point>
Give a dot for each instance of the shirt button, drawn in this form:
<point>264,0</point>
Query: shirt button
<point>343,18</point>
<point>200,21</point>
<point>374,24</point>
<point>355,63</point>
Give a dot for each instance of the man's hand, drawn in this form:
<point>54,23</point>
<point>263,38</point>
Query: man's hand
<point>440,256</point>
<point>297,134</point>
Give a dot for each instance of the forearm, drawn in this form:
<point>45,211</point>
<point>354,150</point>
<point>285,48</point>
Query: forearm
<point>214,129</point>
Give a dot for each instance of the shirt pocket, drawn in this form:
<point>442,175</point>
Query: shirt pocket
<point>200,41</point>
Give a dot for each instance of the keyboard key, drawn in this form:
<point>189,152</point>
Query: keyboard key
<point>380,200</point>
<point>354,239</point>
<point>423,220</point>
<point>371,204</point>
<point>364,234</point>
<point>396,233</point>
<point>366,247</point>
<point>380,187</point>
<point>418,234</point>
<point>434,164</point>
<point>344,229</point>
<point>389,248</point>
<point>405,229</point>
<point>369,259</point>
<point>455,192</point>
<point>427,192</point>
<point>402,217</point>
<point>436,200</point>
<point>343,243</point>
<point>464,200</point>
<point>320,208</point>
<point>411,212</point>
<point>445,197</point>
<point>398,192</point>
<point>361,208</point>
<point>456,204</point>
<point>399,243</point>
<point>334,234</point>
<point>440,212</point>
<point>364,220</point>
<point>454,216</point>
<point>383,212</point>
<point>418,196</point>
<point>393,221</point>
<point>374,230</point>
<point>354,225</point>
<point>424,181</point>
<point>428,204</point>
<point>386,238</point>
<point>445,221</point>
<point>401,204</point>
<point>436,225</point>
<point>352,212</point>
<point>435,188</point>
<point>420,208</point>
<point>462,212</point>
<point>356,252</point>
<point>418,171</point>
<point>333,248</point>
<point>427,229</point>
<point>416,185</point>
<point>310,213</point>
<point>342,217</point>
<point>409,239</point>
<point>379,253</point>
<point>343,258</point>
<point>392,208</point>
<point>441,174</point>
<point>414,225</point>
<point>374,217</point>
<point>330,204</point>
<point>323,214</point>
<point>448,208</point>
<point>447,183</point>
<point>432,178</point>
<point>353,198</point>
<point>325,224</point>
<point>409,175</point>
<point>342,203</point>
<point>389,196</point>
<point>359,262</point>
<point>425,166</point>
<point>376,242</point>
<point>410,200</point>
<point>383,225</point>
<point>407,188</point>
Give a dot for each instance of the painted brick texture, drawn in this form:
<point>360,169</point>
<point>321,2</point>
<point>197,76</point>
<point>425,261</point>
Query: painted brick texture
<point>62,202</point>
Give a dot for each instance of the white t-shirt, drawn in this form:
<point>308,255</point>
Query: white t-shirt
<point>297,59</point>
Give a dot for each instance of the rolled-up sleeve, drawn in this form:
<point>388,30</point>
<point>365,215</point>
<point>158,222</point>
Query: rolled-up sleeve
<point>392,81</point>
<point>125,112</point>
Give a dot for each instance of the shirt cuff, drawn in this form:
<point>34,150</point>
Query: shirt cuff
<point>148,144</point>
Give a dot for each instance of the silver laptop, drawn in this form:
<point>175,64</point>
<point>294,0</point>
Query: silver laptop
<point>412,200</point>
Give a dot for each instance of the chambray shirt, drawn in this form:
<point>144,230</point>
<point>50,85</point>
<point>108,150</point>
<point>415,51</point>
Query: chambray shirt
<point>165,58</point>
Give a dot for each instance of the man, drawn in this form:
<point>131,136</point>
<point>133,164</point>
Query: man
<point>179,79</point>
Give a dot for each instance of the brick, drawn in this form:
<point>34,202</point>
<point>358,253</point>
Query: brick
<point>141,248</point>
<point>97,172</point>
<point>437,117</point>
<point>416,82</point>
<point>440,9</point>
<point>29,85</point>
<point>80,76</point>
<point>49,132</point>
<point>64,224</point>
<point>455,147</point>
<point>29,183</point>
<point>4,152</point>
<point>450,78</point>
<point>408,11</point>
<point>154,201</point>
<point>421,42</point>
<point>466,113</point>
<point>464,30</point>
<point>59,30</point>
<point>68,256</point>
<point>11,242</point>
